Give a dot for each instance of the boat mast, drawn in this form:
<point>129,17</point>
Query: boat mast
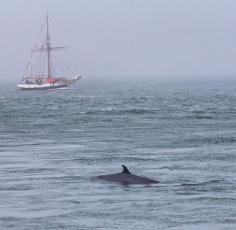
<point>48,49</point>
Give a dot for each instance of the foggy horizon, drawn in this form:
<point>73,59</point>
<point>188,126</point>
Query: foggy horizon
<point>123,39</point>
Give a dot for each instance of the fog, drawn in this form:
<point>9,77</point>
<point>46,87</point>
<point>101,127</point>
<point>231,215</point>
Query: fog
<point>125,39</point>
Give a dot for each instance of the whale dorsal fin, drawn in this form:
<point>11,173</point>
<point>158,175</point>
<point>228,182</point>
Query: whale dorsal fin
<point>125,170</point>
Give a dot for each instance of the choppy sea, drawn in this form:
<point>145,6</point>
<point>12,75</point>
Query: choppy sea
<point>53,142</point>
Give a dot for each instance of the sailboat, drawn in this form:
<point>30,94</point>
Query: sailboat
<point>46,78</point>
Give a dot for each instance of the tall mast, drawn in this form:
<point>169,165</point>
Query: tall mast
<point>48,49</point>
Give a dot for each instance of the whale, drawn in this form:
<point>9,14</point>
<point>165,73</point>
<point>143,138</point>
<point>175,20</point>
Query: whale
<point>126,177</point>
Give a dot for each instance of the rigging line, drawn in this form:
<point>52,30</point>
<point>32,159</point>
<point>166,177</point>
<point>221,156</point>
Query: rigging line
<point>28,66</point>
<point>68,63</point>
<point>41,71</point>
<point>56,31</point>
<point>58,63</point>
<point>36,62</point>
<point>55,28</point>
<point>40,33</point>
<point>54,70</point>
<point>31,63</point>
<point>52,65</point>
<point>44,55</point>
<point>55,67</point>
<point>40,67</point>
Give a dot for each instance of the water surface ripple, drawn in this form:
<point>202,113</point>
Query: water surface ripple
<point>53,142</point>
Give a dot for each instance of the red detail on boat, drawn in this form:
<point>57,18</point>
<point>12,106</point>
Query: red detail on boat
<point>51,80</point>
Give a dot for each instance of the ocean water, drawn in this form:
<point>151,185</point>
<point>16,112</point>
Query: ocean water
<point>53,143</point>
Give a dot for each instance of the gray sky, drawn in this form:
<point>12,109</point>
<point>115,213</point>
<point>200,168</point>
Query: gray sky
<point>125,38</point>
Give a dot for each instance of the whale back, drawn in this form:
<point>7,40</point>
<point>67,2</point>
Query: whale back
<point>125,177</point>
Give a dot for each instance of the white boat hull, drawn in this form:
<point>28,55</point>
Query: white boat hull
<point>40,87</point>
<point>44,86</point>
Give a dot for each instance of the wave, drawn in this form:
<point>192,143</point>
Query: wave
<point>203,183</point>
<point>215,140</point>
<point>132,111</point>
<point>16,188</point>
<point>220,140</point>
<point>204,117</point>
